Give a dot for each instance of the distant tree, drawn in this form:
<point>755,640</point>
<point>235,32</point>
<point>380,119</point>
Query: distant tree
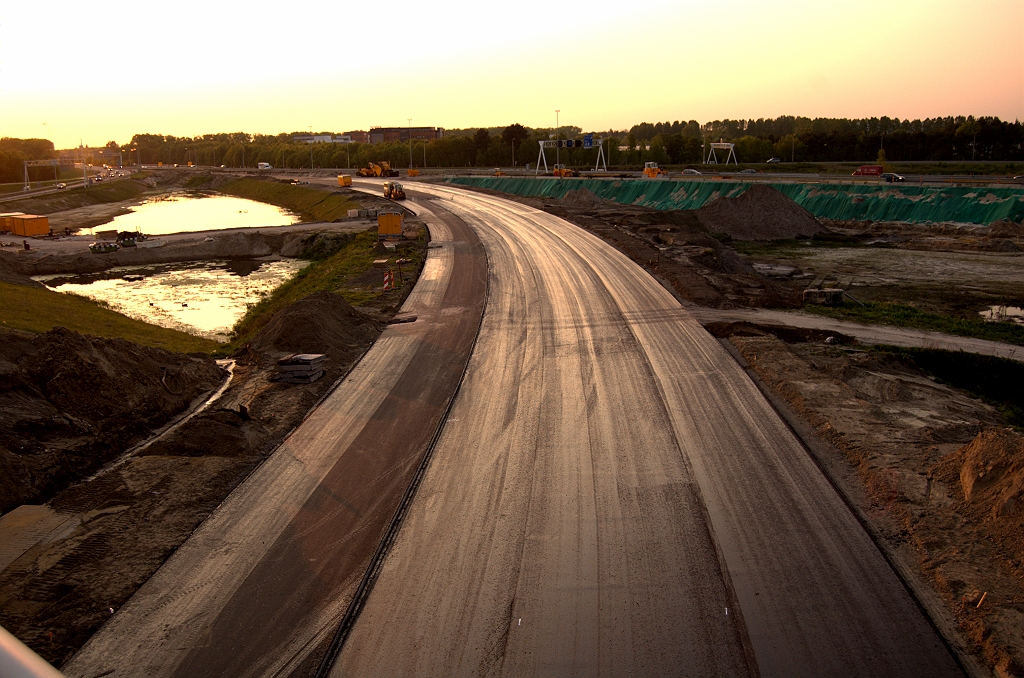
<point>481,140</point>
<point>514,133</point>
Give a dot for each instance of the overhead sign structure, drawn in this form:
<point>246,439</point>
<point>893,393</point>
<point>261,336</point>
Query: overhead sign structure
<point>712,159</point>
<point>587,142</point>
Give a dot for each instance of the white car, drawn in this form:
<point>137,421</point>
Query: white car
<point>690,170</point>
<point>62,185</point>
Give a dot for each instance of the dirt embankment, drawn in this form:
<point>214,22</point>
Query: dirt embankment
<point>944,478</point>
<point>677,247</point>
<point>73,402</point>
<point>116,530</point>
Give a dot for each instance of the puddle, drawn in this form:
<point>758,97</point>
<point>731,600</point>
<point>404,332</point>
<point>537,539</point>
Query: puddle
<point>204,298</point>
<point>1013,314</point>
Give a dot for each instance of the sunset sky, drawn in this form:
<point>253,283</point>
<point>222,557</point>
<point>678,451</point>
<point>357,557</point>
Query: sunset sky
<point>101,71</point>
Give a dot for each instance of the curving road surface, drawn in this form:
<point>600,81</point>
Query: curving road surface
<point>609,495</point>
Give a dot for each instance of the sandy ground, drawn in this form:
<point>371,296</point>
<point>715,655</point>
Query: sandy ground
<point>907,440</point>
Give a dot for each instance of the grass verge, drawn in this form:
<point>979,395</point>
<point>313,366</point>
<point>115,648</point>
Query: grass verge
<point>310,204</point>
<point>995,380</point>
<point>343,272</point>
<point>901,315</point>
<point>38,310</point>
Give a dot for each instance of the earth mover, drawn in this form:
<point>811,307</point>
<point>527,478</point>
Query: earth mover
<point>381,169</point>
<point>651,170</point>
<point>563,171</point>
<point>393,190</point>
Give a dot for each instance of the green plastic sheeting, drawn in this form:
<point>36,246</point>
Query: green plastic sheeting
<point>916,204</point>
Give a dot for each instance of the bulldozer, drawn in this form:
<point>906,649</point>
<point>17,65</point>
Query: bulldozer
<point>381,169</point>
<point>393,190</point>
<point>651,170</point>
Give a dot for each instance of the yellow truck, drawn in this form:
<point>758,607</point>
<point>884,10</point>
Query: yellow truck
<point>389,225</point>
<point>393,190</point>
<point>344,180</point>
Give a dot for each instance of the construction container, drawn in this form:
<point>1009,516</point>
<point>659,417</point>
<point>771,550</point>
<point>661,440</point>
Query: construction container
<point>353,214</point>
<point>389,225</point>
<point>414,173</point>
<point>344,180</point>
<point>29,224</point>
<point>5,220</point>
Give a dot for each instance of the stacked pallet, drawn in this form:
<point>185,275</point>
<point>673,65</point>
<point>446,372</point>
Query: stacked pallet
<point>300,368</point>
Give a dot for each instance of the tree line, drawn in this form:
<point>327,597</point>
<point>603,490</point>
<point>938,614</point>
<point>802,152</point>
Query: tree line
<point>839,139</point>
<point>789,138</point>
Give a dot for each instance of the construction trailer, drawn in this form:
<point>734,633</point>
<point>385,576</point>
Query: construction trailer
<point>5,220</point>
<point>389,225</point>
<point>29,224</point>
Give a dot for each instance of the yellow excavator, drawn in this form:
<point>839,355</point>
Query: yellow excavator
<point>378,169</point>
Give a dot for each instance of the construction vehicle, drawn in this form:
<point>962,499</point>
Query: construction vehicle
<point>378,169</point>
<point>651,170</point>
<point>563,171</point>
<point>393,190</point>
<point>498,172</point>
<point>389,225</point>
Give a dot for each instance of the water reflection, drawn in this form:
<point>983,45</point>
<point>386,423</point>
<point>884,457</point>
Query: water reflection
<point>1004,314</point>
<point>189,212</point>
<point>205,298</point>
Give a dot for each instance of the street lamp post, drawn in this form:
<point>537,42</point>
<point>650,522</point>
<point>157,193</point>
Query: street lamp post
<point>310,149</point>
<point>557,144</point>
<point>410,142</point>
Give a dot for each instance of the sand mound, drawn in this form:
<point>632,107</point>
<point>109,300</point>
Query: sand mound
<point>72,402</point>
<point>582,198</point>
<point>991,475</point>
<point>761,213</point>
<point>323,322</point>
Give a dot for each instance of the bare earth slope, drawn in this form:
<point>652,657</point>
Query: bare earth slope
<point>760,213</point>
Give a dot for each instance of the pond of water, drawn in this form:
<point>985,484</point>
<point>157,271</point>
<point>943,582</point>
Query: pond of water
<point>187,212</point>
<point>205,298</point>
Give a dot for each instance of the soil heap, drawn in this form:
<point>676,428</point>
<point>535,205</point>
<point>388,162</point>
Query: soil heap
<point>582,198</point>
<point>73,402</point>
<point>323,322</point>
<point>761,213</point>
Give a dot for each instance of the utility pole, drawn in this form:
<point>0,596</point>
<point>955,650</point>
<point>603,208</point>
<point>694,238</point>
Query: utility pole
<point>410,142</point>
<point>311,148</point>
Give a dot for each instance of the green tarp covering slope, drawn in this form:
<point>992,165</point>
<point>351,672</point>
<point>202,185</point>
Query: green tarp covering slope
<point>880,202</point>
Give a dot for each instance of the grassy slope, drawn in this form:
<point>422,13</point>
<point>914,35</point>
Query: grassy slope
<point>310,203</point>
<point>901,315</point>
<point>39,310</point>
<point>333,274</point>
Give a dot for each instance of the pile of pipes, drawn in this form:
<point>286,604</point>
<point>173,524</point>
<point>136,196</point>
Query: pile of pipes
<point>300,368</point>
